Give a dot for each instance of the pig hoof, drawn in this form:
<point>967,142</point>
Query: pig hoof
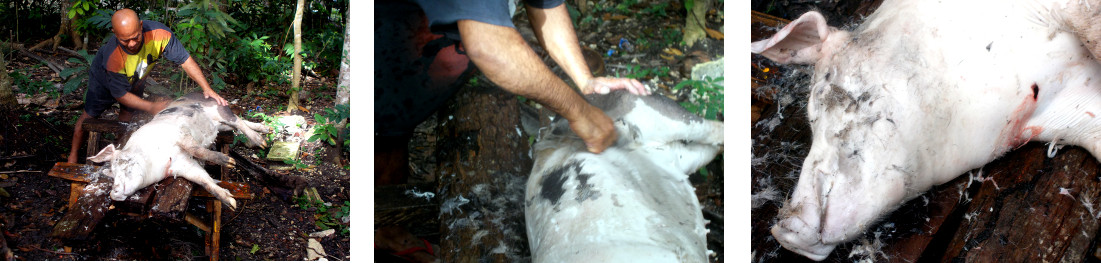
<point>231,163</point>
<point>232,204</point>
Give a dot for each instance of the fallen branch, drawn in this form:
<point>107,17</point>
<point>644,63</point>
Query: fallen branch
<point>51,251</point>
<point>53,66</point>
<point>20,171</point>
<point>295,183</point>
<point>71,52</point>
<point>16,157</point>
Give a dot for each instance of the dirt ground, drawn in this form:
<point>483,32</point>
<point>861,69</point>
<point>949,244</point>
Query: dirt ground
<point>270,226</point>
<point>648,35</point>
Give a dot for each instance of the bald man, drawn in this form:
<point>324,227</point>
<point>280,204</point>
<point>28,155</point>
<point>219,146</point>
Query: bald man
<point>118,72</point>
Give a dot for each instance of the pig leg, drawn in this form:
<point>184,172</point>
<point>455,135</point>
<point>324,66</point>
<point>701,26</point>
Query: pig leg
<point>207,155</point>
<point>1081,19</point>
<point>191,170</point>
<point>255,126</point>
<point>246,127</point>
<point>1071,115</point>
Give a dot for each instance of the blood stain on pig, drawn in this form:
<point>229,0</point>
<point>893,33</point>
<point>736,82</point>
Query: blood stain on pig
<point>1035,91</point>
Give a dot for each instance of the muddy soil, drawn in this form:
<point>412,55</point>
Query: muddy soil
<point>270,226</point>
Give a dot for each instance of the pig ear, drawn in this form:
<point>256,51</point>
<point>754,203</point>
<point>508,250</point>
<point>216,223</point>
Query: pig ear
<point>107,154</point>
<point>799,42</point>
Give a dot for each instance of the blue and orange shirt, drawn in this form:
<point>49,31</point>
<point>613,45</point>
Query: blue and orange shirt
<point>114,72</point>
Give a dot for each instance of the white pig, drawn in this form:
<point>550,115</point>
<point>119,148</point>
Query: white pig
<point>169,144</point>
<point>923,91</point>
<point>630,203</point>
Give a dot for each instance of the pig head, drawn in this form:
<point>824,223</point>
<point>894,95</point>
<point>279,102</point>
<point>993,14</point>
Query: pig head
<point>170,143</point>
<point>630,203</point>
<point>923,91</point>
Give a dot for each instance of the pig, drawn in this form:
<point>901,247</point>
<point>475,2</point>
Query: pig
<point>630,203</point>
<point>923,91</point>
<point>170,143</point>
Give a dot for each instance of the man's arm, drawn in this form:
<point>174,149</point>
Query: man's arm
<point>505,58</point>
<point>135,102</point>
<point>553,28</point>
<point>196,74</point>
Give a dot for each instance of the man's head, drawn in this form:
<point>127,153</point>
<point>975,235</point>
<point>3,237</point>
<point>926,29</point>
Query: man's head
<point>127,28</point>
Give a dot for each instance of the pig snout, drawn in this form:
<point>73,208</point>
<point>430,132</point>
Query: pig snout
<point>832,204</point>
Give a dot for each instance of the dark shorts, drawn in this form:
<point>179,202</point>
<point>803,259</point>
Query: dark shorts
<point>415,71</point>
<point>98,99</point>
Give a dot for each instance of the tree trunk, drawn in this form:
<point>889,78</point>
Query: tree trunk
<point>695,22</point>
<point>66,27</point>
<point>296,72</point>
<point>484,162</point>
<point>343,94</point>
<point>7,96</point>
<point>343,86</point>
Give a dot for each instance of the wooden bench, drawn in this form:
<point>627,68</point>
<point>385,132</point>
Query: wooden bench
<point>169,202</point>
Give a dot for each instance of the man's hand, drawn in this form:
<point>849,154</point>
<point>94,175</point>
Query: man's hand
<point>603,85</point>
<point>595,128</point>
<point>211,94</point>
<point>501,54</point>
<point>192,69</point>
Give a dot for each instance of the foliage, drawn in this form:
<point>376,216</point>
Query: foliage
<point>671,36</point>
<point>706,98</point>
<point>637,72</point>
<point>81,7</point>
<point>272,122</point>
<point>252,59</point>
<point>78,74</point>
<point>326,129</point>
<point>26,85</point>
<point>205,12</point>
<point>297,164</point>
<point>202,30</point>
<point>656,10</point>
<point>624,7</point>
<point>326,220</point>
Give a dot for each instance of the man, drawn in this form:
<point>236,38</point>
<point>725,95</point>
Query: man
<point>416,71</point>
<point>118,72</point>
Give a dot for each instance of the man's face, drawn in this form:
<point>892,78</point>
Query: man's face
<point>130,38</point>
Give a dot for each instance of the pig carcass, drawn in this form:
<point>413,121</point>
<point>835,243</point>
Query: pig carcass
<point>170,143</point>
<point>630,203</point>
<point>923,91</point>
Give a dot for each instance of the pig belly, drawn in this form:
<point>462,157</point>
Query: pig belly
<point>613,207</point>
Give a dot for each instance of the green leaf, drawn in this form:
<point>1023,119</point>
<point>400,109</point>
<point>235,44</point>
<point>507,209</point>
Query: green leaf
<point>69,71</point>
<point>255,248</point>
<point>72,85</point>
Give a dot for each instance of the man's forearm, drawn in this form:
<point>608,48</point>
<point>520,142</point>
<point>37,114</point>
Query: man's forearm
<point>555,31</point>
<point>195,73</point>
<point>501,53</point>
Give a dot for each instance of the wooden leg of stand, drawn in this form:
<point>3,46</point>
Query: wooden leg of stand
<point>93,143</point>
<point>216,228</point>
<point>75,189</point>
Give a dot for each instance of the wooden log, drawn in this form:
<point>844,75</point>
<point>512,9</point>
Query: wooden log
<point>171,200</point>
<point>412,206</point>
<point>483,167</point>
<point>1041,210</point>
<point>287,181</point>
<point>89,209</point>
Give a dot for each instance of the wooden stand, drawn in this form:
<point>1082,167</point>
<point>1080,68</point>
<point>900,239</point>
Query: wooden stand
<point>165,200</point>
